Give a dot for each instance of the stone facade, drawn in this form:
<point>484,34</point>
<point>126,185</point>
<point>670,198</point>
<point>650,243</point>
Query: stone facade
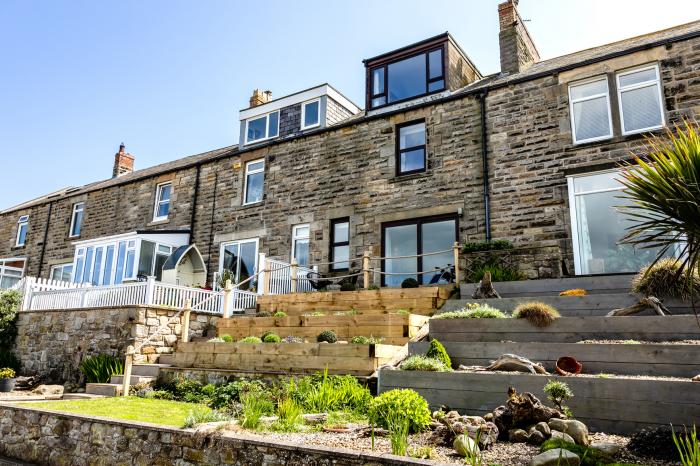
<point>53,343</point>
<point>59,439</point>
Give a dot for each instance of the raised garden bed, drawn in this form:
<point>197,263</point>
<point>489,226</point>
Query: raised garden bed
<point>393,328</point>
<point>295,358</point>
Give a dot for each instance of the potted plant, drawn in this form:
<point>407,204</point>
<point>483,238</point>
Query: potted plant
<point>7,379</point>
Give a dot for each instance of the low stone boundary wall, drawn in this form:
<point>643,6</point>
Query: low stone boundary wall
<point>613,405</point>
<point>57,439</point>
<point>53,343</point>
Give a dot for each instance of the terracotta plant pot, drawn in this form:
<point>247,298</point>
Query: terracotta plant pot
<point>567,365</point>
<point>7,385</point>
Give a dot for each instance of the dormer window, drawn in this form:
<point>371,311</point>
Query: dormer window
<point>311,114</point>
<point>261,128</point>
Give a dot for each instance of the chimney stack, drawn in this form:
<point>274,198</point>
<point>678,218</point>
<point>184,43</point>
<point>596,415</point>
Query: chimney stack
<point>518,51</point>
<point>260,97</point>
<point>123,162</point>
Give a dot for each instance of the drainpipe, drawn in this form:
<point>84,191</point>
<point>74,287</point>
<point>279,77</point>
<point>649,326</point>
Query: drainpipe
<point>195,198</point>
<point>211,222</point>
<point>485,163</point>
<point>46,235</point>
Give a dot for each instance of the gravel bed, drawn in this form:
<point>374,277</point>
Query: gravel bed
<point>639,342</point>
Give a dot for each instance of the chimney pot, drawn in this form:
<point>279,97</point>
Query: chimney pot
<point>123,162</point>
<point>260,97</point>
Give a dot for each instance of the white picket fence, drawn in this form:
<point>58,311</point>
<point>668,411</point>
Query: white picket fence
<point>281,278</point>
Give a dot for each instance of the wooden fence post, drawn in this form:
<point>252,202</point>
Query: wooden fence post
<point>455,250</point>
<point>365,269</point>
<point>186,321</point>
<point>227,299</point>
<point>293,271</point>
<point>127,370</point>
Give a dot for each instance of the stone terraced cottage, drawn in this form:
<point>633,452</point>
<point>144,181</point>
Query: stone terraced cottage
<point>440,154</point>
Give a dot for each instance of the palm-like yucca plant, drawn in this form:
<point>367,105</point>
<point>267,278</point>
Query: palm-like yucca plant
<point>101,368</point>
<point>663,188</point>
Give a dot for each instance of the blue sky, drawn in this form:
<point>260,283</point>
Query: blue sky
<point>168,77</point>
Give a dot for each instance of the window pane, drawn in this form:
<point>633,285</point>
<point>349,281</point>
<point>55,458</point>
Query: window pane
<point>311,113</point>
<point>56,273</point>
<point>378,81</point>
<point>436,86</point>
<point>148,250</point>
<point>247,262</point>
<point>412,160</point>
<point>160,261</point>
<point>88,265</point>
<point>231,258</point>
<point>637,77</point>
<point>378,101</point>
<point>437,236</point>
<point>129,271</point>
<point>274,123</point>
<point>341,232</point>
<point>591,119</point>
<point>121,258</point>
<point>407,78</point>
<point>301,232</point>
<point>165,192</point>
<point>97,270</point>
<point>254,188</point>
<point>77,223</point>
<point>581,91</point>
<point>341,256</point>
<point>256,129</point>
<point>435,63</point>
<point>252,166</point>
<point>109,261</point>
<point>596,182</point>
<point>412,136</point>
<point>301,251</point>
<point>400,241</point>
<point>79,270</point>
<point>641,109</point>
<point>163,209</point>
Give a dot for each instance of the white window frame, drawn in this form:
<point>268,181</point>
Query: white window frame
<point>23,222</point>
<point>267,127</point>
<point>620,91</point>
<point>238,241</point>
<point>4,268</point>
<point>584,99</point>
<point>303,114</point>
<point>295,237</point>
<point>245,180</point>
<point>159,201</point>
<point>62,266</point>
<point>77,207</point>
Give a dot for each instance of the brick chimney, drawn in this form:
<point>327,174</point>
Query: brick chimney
<point>260,97</point>
<point>123,162</point>
<point>518,51</point>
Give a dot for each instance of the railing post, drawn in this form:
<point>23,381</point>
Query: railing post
<point>293,274</point>
<point>262,274</point>
<point>267,274</point>
<point>127,370</point>
<point>28,291</point>
<point>365,269</point>
<point>455,250</point>
<point>227,299</point>
<point>186,321</point>
<point>83,298</point>
<point>150,289</point>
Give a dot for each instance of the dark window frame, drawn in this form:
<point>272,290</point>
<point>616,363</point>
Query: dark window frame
<point>428,79</point>
<point>419,237</point>
<point>399,151</point>
<point>334,244</point>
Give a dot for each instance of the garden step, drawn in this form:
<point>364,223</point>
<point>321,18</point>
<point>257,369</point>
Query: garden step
<point>165,359</point>
<point>600,284</point>
<point>147,370</point>
<point>104,389</point>
<point>135,379</point>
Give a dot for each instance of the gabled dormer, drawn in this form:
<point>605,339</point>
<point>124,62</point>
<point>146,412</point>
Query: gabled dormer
<point>432,66</point>
<point>292,115</point>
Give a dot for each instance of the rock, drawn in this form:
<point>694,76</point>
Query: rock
<point>543,428</point>
<point>488,417</point>
<point>696,378</point>
<point>521,411</point>
<point>447,426</point>
<point>536,438</point>
<point>517,435</point>
<point>515,363</point>
<point>48,390</point>
<point>607,448</point>
<point>556,457</point>
<point>465,446</point>
<point>314,419</point>
<point>576,429</point>
<point>561,435</point>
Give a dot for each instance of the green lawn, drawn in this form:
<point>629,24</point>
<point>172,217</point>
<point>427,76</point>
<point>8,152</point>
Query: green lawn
<point>164,412</point>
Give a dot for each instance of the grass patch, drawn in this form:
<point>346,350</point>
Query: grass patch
<point>163,412</point>
<point>424,363</point>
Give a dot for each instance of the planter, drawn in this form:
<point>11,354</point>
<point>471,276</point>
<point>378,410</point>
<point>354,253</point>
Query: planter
<point>7,385</point>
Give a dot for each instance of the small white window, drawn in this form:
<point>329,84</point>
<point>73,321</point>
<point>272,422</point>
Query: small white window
<point>254,181</point>
<point>62,272</point>
<point>162,207</point>
<point>76,221</point>
<point>22,228</point>
<point>311,114</point>
<point>263,127</point>
<point>590,110</point>
<point>639,94</point>
<point>300,244</point>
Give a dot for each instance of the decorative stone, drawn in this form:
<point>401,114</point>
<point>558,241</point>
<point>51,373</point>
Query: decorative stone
<point>556,457</point>
<point>607,448</point>
<point>465,446</point>
<point>48,390</point>
<point>543,428</point>
<point>576,429</point>
<point>696,378</point>
<point>561,435</point>
<point>517,435</point>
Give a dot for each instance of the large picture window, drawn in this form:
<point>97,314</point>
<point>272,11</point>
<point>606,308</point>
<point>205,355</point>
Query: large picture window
<point>410,151</point>
<point>639,95</point>
<point>340,244</point>
<point>590,110</point>
<point>254,181</point>
<point>263,127</point>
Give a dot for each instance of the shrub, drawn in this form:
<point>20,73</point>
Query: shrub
<point>280,314</point>
<point>409,283</point>
<point>189,390</point>
<point>499,273</point>
<point>495,245</point>
<point>263,314</point>
<point>327,336</point>
<point>537,313</point>
<point>251,339</point>
<point>666,279</point>
<point>325,393</point>
<point>159,395</point>
<point>558,392</point>
<point>7,373</point>
<point>290,415</point>
<point>405,403</point>
<point>255,406</point>
<point>224,396</point>
<point>438,351</point>
<point>360,340</point>
<point>10,302</point>
<point>574,292</point>
<point>8,359</point>
<point>688,447</point>
<point>101,368</point>
<point>272,338</point>
<point>293,339</point>
<point>423,363</point>
<point>201,415</point>
<point>473,311</point>
<point>347,286</point>
<point>656,442</point>
<point>227,338</point>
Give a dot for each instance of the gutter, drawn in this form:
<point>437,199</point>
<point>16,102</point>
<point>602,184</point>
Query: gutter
<point>46,235</point>
<point>485,163</point>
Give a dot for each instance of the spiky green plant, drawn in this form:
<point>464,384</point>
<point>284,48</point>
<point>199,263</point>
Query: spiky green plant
<point>101,368</point>
<point>663,193</point>
<point>688,447</point>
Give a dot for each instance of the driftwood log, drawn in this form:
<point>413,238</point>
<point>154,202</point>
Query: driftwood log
<point>650,302</point>
<point>521,411</point>
<point>515,363</point>
<point>485,288</point>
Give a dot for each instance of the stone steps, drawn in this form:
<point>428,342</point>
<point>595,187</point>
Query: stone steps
<point>103,389</point>
<point>135,379</point>
<point>140,373</point>
<point>599,284</point>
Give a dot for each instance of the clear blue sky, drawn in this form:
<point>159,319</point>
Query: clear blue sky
<point>168,77</point>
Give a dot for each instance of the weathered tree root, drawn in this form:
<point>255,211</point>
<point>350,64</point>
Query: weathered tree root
<point>650,302</point>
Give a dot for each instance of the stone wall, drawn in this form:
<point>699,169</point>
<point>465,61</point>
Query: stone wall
<point>53,343</point>
<point>58,439</point>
